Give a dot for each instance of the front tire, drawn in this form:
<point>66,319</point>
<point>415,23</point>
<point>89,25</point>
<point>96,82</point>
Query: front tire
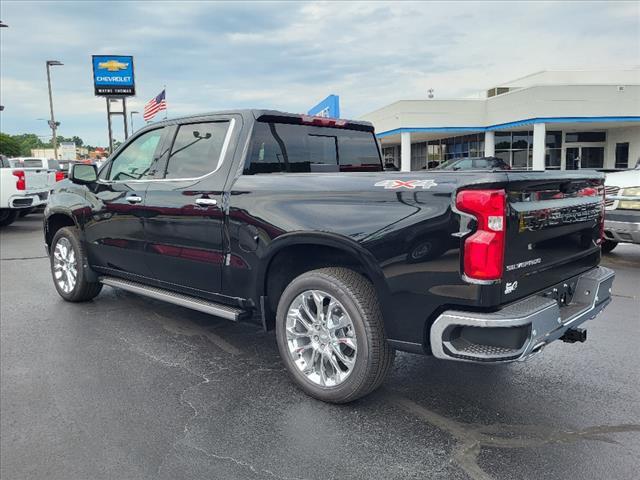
<point>608,245</point>
<point>7,217</point>
<point>68,261</point>
<point>331,335</point>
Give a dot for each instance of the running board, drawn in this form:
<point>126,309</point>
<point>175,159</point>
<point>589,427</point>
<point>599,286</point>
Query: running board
<point>217,309</point>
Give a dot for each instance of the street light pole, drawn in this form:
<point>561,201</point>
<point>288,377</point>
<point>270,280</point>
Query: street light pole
<point>131,115</point>
<point>52,122</point>
<point>2,24</point>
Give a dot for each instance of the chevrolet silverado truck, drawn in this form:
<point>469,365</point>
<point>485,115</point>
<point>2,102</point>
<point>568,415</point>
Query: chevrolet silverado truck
<point>289,221</point>
<point>622,203</point>
<point>22,189</point>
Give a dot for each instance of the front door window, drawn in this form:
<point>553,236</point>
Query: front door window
<point>135,161</point>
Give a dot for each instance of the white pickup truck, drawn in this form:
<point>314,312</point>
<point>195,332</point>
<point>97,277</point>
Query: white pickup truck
<point>23,188</point>
<point>622,216</point>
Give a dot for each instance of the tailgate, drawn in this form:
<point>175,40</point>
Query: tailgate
<point>553,230</point>
<point>36,179</point>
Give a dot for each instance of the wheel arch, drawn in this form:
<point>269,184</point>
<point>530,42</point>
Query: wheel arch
<point>295,253</point>
<point>54,221</point>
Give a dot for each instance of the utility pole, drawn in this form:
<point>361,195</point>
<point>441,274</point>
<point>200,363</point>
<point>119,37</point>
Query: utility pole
<point>52,121</point>
<point>2,24</point>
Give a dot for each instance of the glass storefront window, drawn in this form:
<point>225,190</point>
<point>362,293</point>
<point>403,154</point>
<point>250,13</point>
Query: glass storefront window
<point>520,159</point>
<point>585,137</point>
<point>503,140</point>
<point>553,140</point>
<point>521,140</point>
<point>592,157</point>
<point>622,155</point>
<point>504,155</point>
<point>552,158</point>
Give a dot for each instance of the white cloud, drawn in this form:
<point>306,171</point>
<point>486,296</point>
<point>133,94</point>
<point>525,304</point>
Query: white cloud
<point>290,55</point>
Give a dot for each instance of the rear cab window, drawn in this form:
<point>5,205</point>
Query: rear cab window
<point>298,148</point>
<point>32,163</point>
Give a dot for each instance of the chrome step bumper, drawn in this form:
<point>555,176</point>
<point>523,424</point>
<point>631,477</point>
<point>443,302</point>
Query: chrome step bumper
<point>217,309</point>
<point>521,329</point>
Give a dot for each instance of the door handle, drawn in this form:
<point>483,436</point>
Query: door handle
<point>206,202</point>
<point>134,199</point>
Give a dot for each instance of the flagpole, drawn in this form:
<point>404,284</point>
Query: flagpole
<point>166,106</point>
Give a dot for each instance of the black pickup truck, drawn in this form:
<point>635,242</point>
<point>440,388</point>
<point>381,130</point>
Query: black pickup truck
<point>289,221</point>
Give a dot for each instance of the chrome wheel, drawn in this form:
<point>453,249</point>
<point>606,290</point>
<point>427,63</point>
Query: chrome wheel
<point>321,338</point>
<point>65,265</point>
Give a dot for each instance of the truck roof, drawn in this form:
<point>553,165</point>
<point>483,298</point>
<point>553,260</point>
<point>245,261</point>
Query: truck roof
<point>254,114</point>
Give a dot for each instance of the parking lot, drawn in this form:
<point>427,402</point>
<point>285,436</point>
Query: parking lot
<point>131,388</point>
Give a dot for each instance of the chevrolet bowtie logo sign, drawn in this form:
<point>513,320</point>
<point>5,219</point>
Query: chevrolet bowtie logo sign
<point>113,75</point>
<point>113,65</point>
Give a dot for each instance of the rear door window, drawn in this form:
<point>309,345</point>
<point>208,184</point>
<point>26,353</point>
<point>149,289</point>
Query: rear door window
<point>196,150</point>
<point>279,147</point>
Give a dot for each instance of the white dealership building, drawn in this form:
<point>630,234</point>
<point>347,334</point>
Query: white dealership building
<point>547,120</point>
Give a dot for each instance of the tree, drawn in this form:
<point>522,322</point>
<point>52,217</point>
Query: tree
<point>77,140</point>
<point>27,142</point>
<point>9,146</point>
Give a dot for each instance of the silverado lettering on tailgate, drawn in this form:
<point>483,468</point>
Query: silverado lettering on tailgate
<point>549,217</point>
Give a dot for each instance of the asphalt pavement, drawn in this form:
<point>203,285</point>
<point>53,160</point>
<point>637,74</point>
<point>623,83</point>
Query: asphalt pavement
<point>125,387</point>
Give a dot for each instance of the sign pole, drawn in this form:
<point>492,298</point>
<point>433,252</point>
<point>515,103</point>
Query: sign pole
<point>124,117</point>
<point>109,124</point>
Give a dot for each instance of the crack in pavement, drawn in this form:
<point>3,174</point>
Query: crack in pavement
<point>473,437</point>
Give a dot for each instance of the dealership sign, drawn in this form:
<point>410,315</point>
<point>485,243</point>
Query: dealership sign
<point>329,107</point>
<point>113,75</point>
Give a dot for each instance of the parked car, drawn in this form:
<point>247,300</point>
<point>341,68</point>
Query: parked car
<point>472,163</point>
<point>291,222</point>
<point>22,188</point>
<point>622,217</point>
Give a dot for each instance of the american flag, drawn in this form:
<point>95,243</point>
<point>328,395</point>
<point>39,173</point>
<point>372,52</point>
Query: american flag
<point>154,106</point>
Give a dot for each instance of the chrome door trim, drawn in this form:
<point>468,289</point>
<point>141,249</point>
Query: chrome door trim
<point>223,152</point>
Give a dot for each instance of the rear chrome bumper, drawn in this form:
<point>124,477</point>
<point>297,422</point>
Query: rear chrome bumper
<point>521,329</point>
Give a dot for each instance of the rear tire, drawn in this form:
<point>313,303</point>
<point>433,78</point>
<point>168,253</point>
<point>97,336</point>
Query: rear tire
<point>608,245</point>
<point>356,301</point>
<point>68,267</point>
<point>7,217</point>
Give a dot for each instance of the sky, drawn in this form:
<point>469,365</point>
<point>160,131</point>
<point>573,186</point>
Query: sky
<point>290,55</point>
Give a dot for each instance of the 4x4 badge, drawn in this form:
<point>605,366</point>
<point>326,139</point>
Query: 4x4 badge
<point>410,184</point>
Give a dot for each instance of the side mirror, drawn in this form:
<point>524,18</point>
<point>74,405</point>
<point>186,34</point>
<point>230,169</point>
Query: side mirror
<point>83,174</point>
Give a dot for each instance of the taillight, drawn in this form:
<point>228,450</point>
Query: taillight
<point>59,176</point>
<point>484,249</point>
<point>21,183</point>
<point>323,121</point>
